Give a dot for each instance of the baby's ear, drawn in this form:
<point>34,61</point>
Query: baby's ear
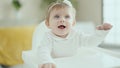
<point>47,23</point>
<point>74,22</point>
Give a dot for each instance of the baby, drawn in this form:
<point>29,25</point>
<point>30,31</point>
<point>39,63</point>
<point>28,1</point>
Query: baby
<point>62,40</point>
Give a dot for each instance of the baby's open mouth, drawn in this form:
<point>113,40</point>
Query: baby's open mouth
<point>61,26</point>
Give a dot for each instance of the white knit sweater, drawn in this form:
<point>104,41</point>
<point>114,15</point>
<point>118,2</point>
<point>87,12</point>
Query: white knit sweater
<point>54,47</point>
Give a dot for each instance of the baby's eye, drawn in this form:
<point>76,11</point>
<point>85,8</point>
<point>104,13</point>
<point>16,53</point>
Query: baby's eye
<point>57,16</point>
<point>67,16</point>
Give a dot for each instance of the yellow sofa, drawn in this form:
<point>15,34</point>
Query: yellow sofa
<point>13,40</point>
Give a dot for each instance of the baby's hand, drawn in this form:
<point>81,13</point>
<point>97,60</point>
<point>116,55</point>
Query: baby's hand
<point>105,26</point>
<point>48,65</point>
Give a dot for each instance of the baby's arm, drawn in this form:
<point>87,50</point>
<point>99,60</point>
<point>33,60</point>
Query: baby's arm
<point>46,61</point>
<point>98,37</point>
<point>44,54</point>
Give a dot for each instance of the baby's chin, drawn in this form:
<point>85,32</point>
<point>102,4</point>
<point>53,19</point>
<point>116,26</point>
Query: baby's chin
<point>62,35</point>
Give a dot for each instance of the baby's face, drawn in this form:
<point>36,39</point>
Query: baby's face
<point>61,21</point>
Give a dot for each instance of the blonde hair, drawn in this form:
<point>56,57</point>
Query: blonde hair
<point>59,5</point>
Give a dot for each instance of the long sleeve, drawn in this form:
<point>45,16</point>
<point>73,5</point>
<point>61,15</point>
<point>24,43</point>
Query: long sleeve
<point>38,34</point>
<point>93,39</point>
<point>44,51</point>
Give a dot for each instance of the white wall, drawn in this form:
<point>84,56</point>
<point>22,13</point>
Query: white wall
<point>90,10</point>
<point>28,14</point>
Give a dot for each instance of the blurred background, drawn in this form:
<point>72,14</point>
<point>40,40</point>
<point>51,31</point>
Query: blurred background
<point>29,12</point>
<point>32,12</point>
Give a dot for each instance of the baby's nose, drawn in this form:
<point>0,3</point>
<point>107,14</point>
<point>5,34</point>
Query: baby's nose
<point>62,20</point>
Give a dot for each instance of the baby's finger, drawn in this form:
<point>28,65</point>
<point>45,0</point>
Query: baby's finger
<point>53,65</point>
<point>107,26</point>
<point>100,27</point>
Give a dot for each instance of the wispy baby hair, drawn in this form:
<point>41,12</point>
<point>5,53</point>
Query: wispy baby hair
<point>59,5</point>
